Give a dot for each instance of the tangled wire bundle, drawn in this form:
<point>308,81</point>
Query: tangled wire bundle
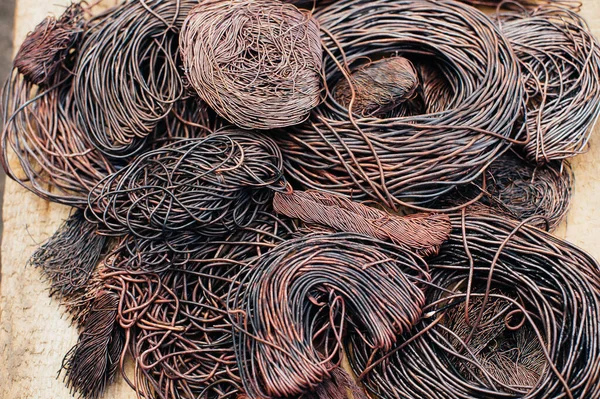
<point>257,62</point>
<point>524,191</point>
<point>121,105</point>
<point>176,321</point>
<point>68,260</point>
<point>91,365</point>
<point>530,307</point>
<point>211,185</point>
<point>292,307</point>
<point>414,159</point>
<point>46,48</point>
<point>56,159</point>
<point>422,233</point>
<point>560,61</point>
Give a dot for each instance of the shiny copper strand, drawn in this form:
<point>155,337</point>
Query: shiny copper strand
<point>560,61</point>
<point>211,186</point>
<point>68,260</point>
<point>414,159</point>
<point>257,62</point>
<point>136,45</point>
<point>549,294</point>
<point>176,318</point>
<point>46,48</point>
<point>422,233</point>
<point>292,306</point>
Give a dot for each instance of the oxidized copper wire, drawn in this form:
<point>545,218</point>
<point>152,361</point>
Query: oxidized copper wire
<point>176,320</point>
<point>68,260</point>
<point>127,73</point>
<point>211,185</point>
<point>291,308</point>
<point>560,62</point>
<point>546,287</point>
<point>414,159</point>
<point>256,62</point>
<point>422,233</point>
<point>47,47</point>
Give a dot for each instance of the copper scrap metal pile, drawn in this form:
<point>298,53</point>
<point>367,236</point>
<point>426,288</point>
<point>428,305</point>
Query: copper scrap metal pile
<point>336,199</point>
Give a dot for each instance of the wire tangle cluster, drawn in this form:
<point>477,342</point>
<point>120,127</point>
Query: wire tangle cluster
<point>511,312</point>
<point>68,260</point>
<point>560,61</point>
<point>293,306</point>
<point>409,160</point>
<point>256,62</point>
<point>45,49</point>
<point>210,185</point>
<point>135,44</point>
<point>176,320</point>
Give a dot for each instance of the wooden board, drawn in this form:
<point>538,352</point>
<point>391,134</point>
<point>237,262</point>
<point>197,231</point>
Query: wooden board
<point>34,333</point>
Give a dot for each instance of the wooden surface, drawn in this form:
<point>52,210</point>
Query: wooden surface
<point>34,333</point>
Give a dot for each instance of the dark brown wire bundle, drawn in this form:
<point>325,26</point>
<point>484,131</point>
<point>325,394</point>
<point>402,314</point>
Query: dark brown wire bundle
<point>211,185</point>
<point>176,321</point>
<point>523,191</point>
<point>560,62</point>
<point>517,189</point>
<point>422,233</point>
<point>414,159</point>
<point>54,156</point>
<point>378,87</point>
<point>517,288</point>
<point>46,48</point>
<point>127,74</point>
<point>575,5</point>
<point>257,62</point>
<point>92,364</point>
<point>189,118</point>
<point>68,260</point>
<point>294,304</point>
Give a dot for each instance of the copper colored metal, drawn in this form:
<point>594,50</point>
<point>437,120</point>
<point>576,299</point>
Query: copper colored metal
<point>47,47</point>
<point>560,62</point>
<point>210,186</point>
<point>257,63</point>
<point>377,87</point>
<point>293,305</point>
<point>512,312</point>
<point>423,233</point>
<point>411,160</point>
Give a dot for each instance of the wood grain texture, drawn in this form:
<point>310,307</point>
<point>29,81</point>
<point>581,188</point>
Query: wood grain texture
<point>34,333</point>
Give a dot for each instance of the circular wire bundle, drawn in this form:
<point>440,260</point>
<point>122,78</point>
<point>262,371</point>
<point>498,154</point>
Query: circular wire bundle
<point>47,47</point>
<point>560,62</point>
<point>127,76</point>
<point>54,157</point>
<point>293,305</point>
<point>512,312</point>
<point>176,321</point>
<point>414,159</point>
<point>210,185</point>
<point>520,190</point>
<point>256,63</point>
